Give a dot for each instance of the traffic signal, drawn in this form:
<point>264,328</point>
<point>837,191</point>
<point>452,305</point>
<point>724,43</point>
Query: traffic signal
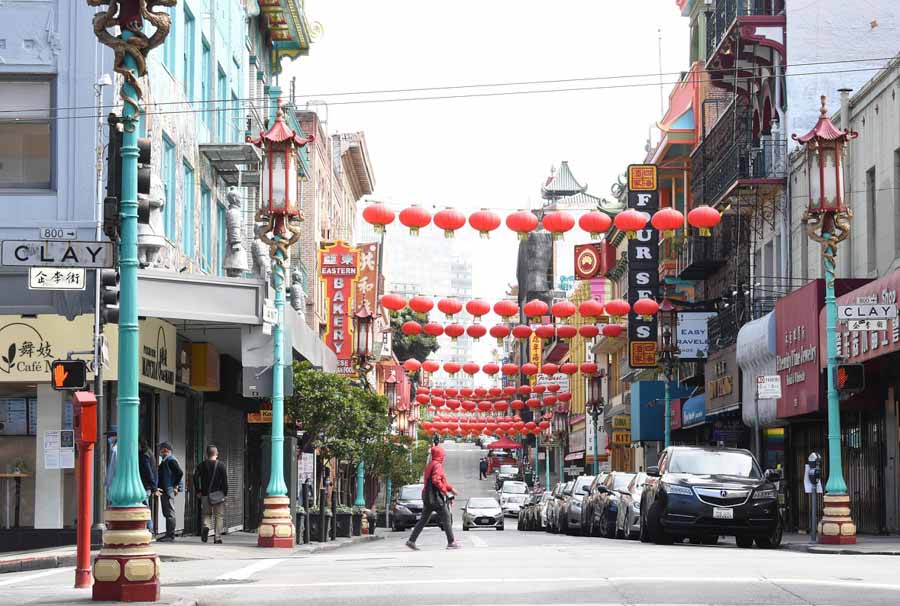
<point>114,180</point>
<point>850,378</point>
<point>109,296</point>
<point>68,374</point>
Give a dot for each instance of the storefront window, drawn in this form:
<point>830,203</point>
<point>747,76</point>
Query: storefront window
<point>25,134</point>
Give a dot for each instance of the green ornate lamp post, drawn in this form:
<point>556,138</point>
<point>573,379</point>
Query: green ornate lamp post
<point>827,222</point>
<point>362,359</point>
<point>595,407</point>
<point>277,217</point>
<point>128,575</point>
<point>668,360</point>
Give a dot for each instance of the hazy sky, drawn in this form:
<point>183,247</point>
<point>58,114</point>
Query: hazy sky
<point>492,152</point>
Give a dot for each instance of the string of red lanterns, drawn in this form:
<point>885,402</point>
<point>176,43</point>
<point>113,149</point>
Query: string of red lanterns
<point>470,368</point>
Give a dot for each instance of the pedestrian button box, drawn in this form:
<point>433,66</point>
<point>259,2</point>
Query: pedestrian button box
<point>84,422</point>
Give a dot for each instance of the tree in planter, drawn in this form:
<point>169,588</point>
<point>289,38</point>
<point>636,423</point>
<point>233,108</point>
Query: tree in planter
<point>418,347</point>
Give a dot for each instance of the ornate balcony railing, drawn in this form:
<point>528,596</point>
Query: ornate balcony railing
<point>726,11</point>
<point>700,256</point>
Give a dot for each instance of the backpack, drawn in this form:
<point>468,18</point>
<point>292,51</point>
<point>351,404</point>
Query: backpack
<point>431,495</point>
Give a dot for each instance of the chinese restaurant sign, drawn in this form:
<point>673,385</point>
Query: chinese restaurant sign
<point>339,270</point>
<point>643,266</point>
<point>367,278</point>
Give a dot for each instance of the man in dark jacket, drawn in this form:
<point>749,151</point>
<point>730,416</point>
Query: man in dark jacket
<point>171,482</point>
<point>482,469</point>
<point>434,499</point>
<point>212,487</point>
<point>147,470</point>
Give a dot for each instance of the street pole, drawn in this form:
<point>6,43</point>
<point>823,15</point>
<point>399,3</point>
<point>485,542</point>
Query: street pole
<point>360,484</point>
<point>595,417</point>
<point>547,464</point>
<point>135,576</point>
<point>668,422</point>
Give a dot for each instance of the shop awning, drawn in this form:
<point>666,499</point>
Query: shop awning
<point>504,443</point>
<point>693,412</point>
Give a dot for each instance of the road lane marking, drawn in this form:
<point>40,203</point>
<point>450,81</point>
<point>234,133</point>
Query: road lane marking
<point>246,572</point>
<point>38,575</point>
<point>477,541</point>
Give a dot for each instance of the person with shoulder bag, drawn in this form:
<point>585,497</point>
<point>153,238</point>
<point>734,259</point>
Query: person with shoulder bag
<point>212,488</point>
<point>436,497</point>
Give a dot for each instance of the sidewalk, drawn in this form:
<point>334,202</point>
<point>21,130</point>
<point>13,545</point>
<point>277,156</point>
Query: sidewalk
<point>235,546</point>
<point>865,545</point>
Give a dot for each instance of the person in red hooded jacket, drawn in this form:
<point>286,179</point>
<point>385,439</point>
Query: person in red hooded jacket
<point>434,499</point>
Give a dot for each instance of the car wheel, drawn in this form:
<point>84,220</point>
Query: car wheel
<point>465,528</point>
<point>499,527</point>
<point>620,534</point>
<point>772,541</point>
<point>603,525</point>
<point>644,534</point>
<point>611,532</point>
<point>712,539</point>
<point>744,542</point>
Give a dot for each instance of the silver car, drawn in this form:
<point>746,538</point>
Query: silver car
<point>628,518</point>
<point>482,512</point>
<point>512,495</point>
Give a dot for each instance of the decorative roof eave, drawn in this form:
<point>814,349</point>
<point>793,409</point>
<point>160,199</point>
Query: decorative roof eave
<point>562,183</point>
<point>289,30</point>
<point>279,133</point>
<point>825,130</point>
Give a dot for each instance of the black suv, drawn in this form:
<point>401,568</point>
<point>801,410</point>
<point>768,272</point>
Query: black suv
<point>702,493</point>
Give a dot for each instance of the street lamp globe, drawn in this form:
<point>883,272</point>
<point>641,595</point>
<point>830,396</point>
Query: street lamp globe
<point>279,175</point>
<point>362,334</point>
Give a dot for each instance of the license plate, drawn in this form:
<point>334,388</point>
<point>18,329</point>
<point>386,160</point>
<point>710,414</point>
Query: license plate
<point>723,513</point>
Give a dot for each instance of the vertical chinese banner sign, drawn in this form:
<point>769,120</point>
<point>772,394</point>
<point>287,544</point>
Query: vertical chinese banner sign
<point>338,270</point>
<point>643,266</point>
<point>367,278</point>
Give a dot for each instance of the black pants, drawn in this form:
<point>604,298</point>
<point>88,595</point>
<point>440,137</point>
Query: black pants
<point>167,500</point>
<point>483,475</point>
<point>443,513</point>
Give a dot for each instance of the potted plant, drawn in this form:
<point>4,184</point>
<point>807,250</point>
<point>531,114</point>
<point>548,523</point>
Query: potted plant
<point>358,514</point>
<point>315,525</point>
<point>344,521</point>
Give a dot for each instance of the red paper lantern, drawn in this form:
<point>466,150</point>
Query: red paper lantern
<point>424,390</point>
<point>449,307</point>
<point>569,368</point>
<point>566,331</point>
<point>393,302</point>
<point>595,222</point>
<point>565,397</point>
<point>510,369</point>
<point>477,308</point>
<point>423,398</point>
<point>433,329</point>
<point>530,369</point>
<point>631,221</point>
<point>509,390</point>
<point>550,369</point>
<point>667,220</point>
<point>453,404</point>
<point>591,308</point>
<point>412,365</point>
<point>490,368</point>
<point>495,392</point>
<point>612,330</point>
<point>553,387</point>
<point>563,309</point>
<point>545,331</point>
<point>449,220</point>
<point>533,403</point>
<point>485,222</point>
<point>437,391</point>
<point>517,404</point>
<point>524,390</point>
<point>501,406</point>
<point>485,406</point>
<point>549,400</point>
<point>451,392</point>
<point>411,328</point>
<point>468,405</point>
<point>470,368</point>
<point>522,222</point>
<point>617,308</point>
<point>544,425</point>
<point>499,332</point>
<point>588,368</point>
<point>521,332</point>
<point>704,218</point>
<point>589,331</point>
<point>430,366</point>
<point>415,217</point>
<point>452,367</point>
<point>454,331</point>
<point>646,308</point>
<point>535,309</point>
<point>539,389</point>
<point>530,426</point>
<point>378,215</point>
<point>506,308</point>
<point>438,402</point>
<point>421,305</point>
<point>558,223</point>
<point>476,331</point>
<point>466,392</point>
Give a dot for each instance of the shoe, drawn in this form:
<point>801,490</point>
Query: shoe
<point>165,538</point>
<point>218,541</point>
<point>204,534</point>
<point>454,545</point>
<point>412,546</point>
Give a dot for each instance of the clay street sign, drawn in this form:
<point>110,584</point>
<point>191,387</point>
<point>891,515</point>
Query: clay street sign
<point>57,253</point>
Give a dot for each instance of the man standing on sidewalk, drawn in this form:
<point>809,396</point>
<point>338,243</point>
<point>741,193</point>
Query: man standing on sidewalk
<point>434,499</point>
<point>212,488</point>
<point>171,482</point>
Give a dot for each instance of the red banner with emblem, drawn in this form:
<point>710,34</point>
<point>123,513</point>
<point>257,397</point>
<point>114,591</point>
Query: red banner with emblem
<point>338,271</point>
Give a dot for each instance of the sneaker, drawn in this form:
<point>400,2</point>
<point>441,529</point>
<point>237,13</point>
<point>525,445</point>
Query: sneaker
<point>165,538</point>
<point>218,541</point>
<point>454,545</point>
<point>204,534</point>
<point>412,546</point>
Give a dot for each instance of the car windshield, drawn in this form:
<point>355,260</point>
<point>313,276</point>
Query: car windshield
<point>509,470</point>
<point>621,480</point>
<point>412,492</point>
<point>483,504</point>
<point>568,488</point>
<point>581,482</point>
<point>637,484</point>
<point>514,487</point>
<point>714,462</point>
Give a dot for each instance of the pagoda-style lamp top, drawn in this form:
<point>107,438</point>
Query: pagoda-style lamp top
<point>824,147</point>
<point>279,175</point>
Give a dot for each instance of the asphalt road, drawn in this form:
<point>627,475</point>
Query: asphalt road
<point>510,568</point>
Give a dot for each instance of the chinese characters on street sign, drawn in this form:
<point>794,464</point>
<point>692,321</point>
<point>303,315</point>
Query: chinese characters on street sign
<point>56,278</point>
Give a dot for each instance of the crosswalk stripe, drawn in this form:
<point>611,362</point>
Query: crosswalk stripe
<point>248,571</point>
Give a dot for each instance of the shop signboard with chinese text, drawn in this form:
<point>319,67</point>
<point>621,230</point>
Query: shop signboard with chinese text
<point>855,347</point>
<point>643,266</point>
<point>56,278</point>
<point>535,354</point>
<point>367,276</point>
<point>339,270</point>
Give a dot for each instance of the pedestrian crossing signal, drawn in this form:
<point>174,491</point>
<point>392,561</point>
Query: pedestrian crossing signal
<point>66,375</point>
<point>850,379</point>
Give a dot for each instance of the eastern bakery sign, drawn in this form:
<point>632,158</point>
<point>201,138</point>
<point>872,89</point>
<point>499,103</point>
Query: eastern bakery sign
<point>338,270</point>
<point>643,266</point>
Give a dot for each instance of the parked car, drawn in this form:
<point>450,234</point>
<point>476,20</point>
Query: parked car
<point>628,519</point>
<point>406,508</point>
<point>482,512</point>
<point>587,506</point>
<point>552,524</point>
<point>572,505</point>
<point>701,493</point>
<point>507,472</point>
<point>559,517</point>
<point>527,512</point>
<point>540,515</point>
<point>512,495</point>
<point>606,504</point>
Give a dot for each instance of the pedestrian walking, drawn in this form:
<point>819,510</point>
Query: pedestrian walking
<point>211,482</point>
<point>435,499</point>
<point>482,469</point>
<point>112,440</point>
<point>171,482</point>
<point>148,476</point>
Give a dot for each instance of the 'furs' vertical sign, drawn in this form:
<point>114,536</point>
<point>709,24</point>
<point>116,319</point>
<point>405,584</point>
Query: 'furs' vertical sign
<point>643,266</point>
<point>338,270</point>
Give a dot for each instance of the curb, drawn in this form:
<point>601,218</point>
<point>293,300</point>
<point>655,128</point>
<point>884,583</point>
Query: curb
<point>836,550</point>
<point>36,563</point>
